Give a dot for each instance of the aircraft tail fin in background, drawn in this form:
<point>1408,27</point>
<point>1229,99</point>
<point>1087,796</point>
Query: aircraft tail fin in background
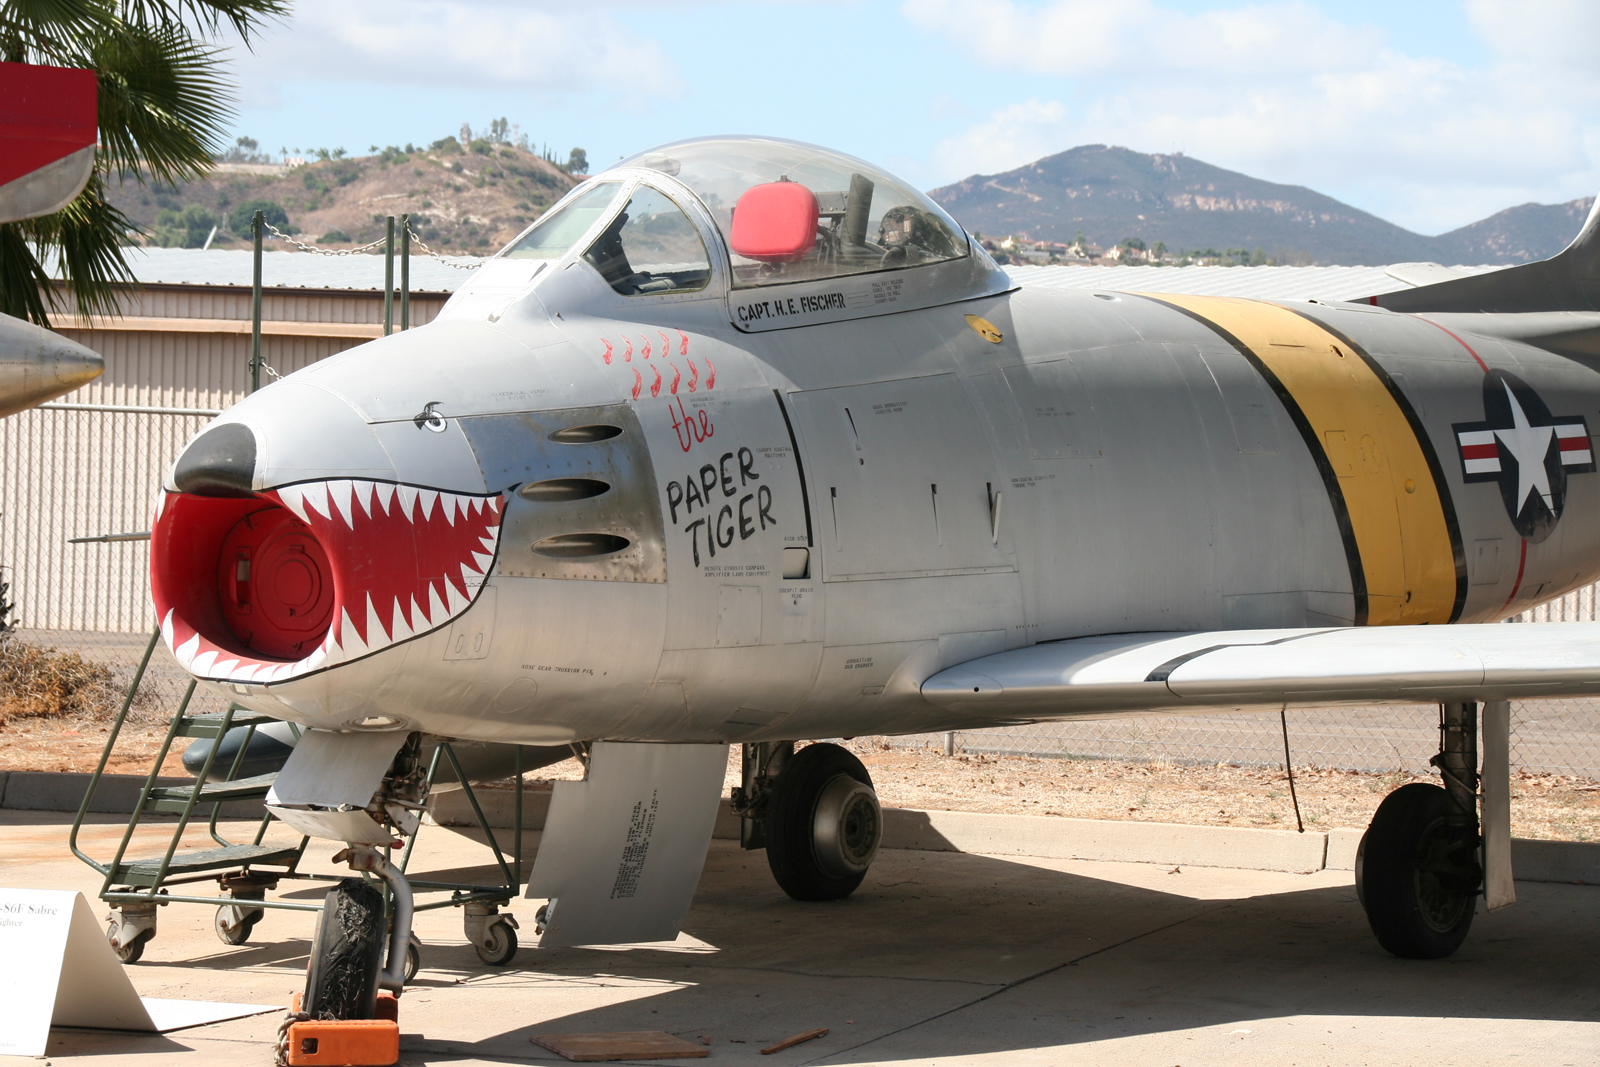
<point>1568,281</point>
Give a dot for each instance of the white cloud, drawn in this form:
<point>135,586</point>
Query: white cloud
<point>551,48</point>
<point>1283,92</point>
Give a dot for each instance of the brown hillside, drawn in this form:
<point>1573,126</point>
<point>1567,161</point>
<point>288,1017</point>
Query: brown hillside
<point>462,202</point>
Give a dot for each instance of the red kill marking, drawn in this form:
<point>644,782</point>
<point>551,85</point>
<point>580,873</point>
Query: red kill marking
<point>607,354</point>
<point>638,383</point>
<point>666,344</point>
<point>676,378</point>
<point>627,353</point>
<point>645,351</point>
<point>655,386</point>
<point>694,375</point>
<point>683,347</point>
<point>711,371</point>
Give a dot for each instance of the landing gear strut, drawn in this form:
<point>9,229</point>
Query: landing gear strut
<point>1417,869</point>
<point>817,815</point>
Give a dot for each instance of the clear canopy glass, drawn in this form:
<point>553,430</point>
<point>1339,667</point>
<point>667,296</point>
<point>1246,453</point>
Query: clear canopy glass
<point>560,229</point>
<point>867,219</point>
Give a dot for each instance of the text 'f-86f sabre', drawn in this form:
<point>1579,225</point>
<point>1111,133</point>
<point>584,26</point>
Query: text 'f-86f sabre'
<point>746,441</point>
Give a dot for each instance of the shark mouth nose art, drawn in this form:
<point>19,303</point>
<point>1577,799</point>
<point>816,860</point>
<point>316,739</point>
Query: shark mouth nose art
<point>304,577</point>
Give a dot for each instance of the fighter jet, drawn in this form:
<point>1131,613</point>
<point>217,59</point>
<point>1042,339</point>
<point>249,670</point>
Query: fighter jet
<point>746,441</point>
<point>37,364</point>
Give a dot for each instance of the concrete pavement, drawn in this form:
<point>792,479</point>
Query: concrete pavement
<point>940,958</point>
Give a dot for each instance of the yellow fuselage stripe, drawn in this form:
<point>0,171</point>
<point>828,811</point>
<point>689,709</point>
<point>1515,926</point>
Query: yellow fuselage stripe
<point>1393,506</point>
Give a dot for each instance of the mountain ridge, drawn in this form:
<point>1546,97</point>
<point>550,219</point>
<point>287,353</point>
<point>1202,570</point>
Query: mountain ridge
<point>1110,194</point>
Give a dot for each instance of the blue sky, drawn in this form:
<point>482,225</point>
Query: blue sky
<point>1429,113</point>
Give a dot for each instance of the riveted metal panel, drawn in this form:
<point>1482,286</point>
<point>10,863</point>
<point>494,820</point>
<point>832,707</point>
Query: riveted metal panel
<point>515,451</point>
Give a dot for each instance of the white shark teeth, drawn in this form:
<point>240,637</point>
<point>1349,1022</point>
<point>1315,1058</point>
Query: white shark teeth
<point>349,637</point>
<point>339,491</point>
<point>458,602</point>
<point>293,498</point>
<point>437,612</point>
<point>186,652</point>
<point>400,629</point>
<point>383,493</point>
<point>315,496</point>
<point>407,495</point>
<point>363,494</point>
<point>375,624</point>
<point>426,498</point>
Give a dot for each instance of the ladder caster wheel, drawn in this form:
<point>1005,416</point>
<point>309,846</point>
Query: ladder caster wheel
<point>233,923</point>
<point>130,952</point>
<point>413,958</point>
<point>499,944</point>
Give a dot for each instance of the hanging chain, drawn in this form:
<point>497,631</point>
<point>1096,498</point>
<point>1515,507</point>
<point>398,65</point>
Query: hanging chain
<point>314,250</point>
<point>302,246</point>
<point>428,251</point>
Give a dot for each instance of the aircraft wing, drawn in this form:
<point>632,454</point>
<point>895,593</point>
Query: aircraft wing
<point>1234,670</point>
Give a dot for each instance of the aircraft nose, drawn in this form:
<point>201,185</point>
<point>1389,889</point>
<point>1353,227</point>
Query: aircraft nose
<point>220,462</point>
<point>38,365</point>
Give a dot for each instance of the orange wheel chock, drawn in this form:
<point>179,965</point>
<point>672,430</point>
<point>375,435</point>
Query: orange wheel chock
<point>348,1042</point>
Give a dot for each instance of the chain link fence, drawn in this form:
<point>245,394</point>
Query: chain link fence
<point>1547,736</point>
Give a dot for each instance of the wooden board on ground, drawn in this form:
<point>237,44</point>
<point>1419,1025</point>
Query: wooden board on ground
<point>634,1045</point>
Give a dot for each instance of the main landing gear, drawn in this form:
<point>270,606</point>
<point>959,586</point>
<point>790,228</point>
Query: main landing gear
<point>814,811</point>
<point>1417,869</point>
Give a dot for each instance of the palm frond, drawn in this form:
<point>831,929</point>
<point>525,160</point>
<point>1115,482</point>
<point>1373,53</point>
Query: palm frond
<point>245,17</point>
<point>23,279</point>
<point>164,103</point>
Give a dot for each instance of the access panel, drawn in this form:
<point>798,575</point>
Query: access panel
<point>904,480</point>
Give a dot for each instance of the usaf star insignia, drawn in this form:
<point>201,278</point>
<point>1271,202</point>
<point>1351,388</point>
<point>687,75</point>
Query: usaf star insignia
<point>1529,451</point>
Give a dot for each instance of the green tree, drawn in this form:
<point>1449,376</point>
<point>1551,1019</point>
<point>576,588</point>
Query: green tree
<point>239,217</point>
<point>188,228</point>
<point>578,162</point>
<point>164,104</point>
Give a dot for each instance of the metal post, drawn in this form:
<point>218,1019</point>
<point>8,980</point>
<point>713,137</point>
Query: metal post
<point>949,743</point>
<point>405,272</point>
<point>257,227</point>
<point>388,279</point>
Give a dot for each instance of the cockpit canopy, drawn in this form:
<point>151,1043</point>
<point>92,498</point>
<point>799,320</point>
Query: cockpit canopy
<point>857,218</point>
<point>788,212</point>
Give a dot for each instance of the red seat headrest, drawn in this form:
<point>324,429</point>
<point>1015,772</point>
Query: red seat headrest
<point>775,222</point>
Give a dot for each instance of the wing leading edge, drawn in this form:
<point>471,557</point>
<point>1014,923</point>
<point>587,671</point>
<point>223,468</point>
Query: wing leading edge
<point>1241,670</point>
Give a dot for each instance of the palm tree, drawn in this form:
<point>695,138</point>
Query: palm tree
<point>164,105</point>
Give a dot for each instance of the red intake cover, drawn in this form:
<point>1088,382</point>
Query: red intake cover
<point>276,584</point>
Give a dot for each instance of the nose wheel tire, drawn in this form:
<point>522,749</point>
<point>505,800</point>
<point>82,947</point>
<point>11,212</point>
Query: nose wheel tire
<point>499,944</point>
<point>347,953</point>
<point>1417,874</point>
<point>413,958</point>
<point>823,824</point>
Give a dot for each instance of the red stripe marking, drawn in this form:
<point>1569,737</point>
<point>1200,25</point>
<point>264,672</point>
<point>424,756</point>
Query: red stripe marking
<point>1574,444</point>
<point>1459,341</point>
<point>1522,565</point>
<point>1480,452</point>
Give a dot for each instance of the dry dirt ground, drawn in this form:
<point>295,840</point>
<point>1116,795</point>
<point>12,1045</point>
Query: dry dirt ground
<point>1548,806</point>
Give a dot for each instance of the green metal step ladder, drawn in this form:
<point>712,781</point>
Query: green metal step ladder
<point>245,871</point>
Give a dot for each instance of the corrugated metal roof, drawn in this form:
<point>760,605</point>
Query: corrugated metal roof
<point>1265,283</point>
<point>290,270</point>
<point>299,270</point>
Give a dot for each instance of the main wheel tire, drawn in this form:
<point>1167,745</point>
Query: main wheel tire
<point>347,953</point>
<point>823,824</point>
<point>1417,875</point>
